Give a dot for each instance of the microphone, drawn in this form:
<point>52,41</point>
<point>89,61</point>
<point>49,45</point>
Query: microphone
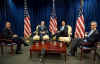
<point>43,51</point>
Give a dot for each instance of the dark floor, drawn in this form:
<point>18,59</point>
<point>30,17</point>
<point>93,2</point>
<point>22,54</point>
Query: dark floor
<point>49,59</point>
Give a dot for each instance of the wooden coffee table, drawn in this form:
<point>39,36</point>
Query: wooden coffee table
<point>50,47</point>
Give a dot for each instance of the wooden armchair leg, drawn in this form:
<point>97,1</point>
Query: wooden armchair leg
<point>2,49</point>
<point>12,50</point>
<point>94,57</point>
<point>65,57</point>
<point>81,57</point>
<point>30,53</point>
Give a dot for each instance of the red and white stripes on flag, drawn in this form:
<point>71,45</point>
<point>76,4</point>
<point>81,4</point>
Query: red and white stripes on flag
<point>80,27</point>
<point>27,27</point>
<point>53,25</point>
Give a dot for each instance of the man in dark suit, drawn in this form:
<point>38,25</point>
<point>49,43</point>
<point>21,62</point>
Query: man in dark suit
<point>92,37</point>
<point>8,34</point>
<point>63,32</point>
<point>42,29</point>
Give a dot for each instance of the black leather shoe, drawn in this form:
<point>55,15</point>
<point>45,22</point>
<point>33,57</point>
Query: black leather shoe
<point>19,52</point>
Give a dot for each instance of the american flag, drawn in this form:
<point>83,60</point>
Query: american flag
<point>80,26</point>
<point>27,27</point>
<point>27,24</point>
<point>53,20</point>
<point>53,25</point>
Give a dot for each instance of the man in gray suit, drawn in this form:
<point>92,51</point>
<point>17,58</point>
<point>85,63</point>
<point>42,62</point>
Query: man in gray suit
<point>92,37</point>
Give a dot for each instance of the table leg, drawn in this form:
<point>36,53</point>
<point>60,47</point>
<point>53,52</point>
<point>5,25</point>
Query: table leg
<point>94,57</point>
<point>65,57</point>
<point>81,56</point>
<point>43,52</point>
<point>12,50</point>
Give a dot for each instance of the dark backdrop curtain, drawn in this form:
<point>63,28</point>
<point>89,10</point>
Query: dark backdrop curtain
<point>13,11</point>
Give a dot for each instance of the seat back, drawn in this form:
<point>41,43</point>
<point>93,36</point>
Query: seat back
<point>89,45</point>
<point>69,30</point>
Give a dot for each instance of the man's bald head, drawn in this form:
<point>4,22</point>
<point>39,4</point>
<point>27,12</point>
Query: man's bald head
<point>8,25</point>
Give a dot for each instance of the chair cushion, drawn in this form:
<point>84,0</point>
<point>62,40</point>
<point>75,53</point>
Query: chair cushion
<point>65,39</point>
<point>45,37</point>
<point>36,37</point>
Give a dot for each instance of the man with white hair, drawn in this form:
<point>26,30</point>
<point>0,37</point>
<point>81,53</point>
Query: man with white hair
<point>92,37</point>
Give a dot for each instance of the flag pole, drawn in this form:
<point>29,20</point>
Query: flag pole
<point>80,32</point>
<point>53,4</point>
<point>53,21</point>
<point>5,10</point>
<point>25,7</point>
<point>81,6</point>
<point>27,30</point>
<point>53,8</point>
<point>81,3</point>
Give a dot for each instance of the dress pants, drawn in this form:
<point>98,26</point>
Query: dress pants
<point>76,43</point>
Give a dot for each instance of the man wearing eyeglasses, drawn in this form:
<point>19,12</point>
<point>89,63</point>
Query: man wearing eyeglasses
<point>92,37</point>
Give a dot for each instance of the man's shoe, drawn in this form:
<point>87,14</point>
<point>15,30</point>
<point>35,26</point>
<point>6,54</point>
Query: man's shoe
<point>19,52</point>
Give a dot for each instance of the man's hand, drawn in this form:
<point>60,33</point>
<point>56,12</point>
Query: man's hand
<point>86,34</point>
<point>42,32</point>
<point>53,33</point>
<point>15,35</point>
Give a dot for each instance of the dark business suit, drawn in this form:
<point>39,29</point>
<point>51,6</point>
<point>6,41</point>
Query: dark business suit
<point>92,38</point>
<point>8,34</point>
<point>42,29</point>
<point>63,32</point>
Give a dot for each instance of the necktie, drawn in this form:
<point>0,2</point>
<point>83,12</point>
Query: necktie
<point>90,33</point>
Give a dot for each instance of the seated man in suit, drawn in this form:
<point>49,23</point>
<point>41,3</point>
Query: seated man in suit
<point>63,29</point>
<point>63,32</point>
<point>8,34</point>
<point>42,29</point>
<point>92,37</point>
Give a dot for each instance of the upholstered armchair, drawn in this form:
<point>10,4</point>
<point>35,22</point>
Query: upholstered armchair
<point>67,39</point>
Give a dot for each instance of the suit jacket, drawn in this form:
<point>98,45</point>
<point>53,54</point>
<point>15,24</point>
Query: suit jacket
<point>64,32</point>
<point>94,37</point>
<point>7,33</point>
<point>42,29</point>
